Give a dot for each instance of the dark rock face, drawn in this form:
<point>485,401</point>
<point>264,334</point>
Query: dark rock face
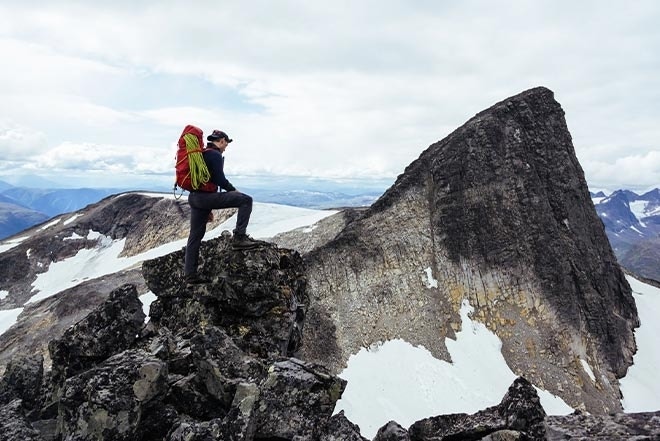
<point>22,380</point>
<point>210,365</point>
<point>498,213</point>
<point>109,400</point>
<point>507,191</point>
<point>109,329</point>
<point>48,319</point>
<point>14,426</point>
<point>287,385</point>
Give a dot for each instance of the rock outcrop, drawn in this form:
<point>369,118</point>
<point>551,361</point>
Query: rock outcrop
<point>214,361</point>
<point>497,213</point>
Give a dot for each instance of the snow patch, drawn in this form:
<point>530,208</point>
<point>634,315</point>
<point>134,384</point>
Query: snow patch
<point>93,235</point>
<point>640,387</point>
<point>71,219</point>
<point>267,220</point>
<point>3,294</point>
<point>478,377</point>
<point>27,253</point>
<point>597,201</point>
<point>638,232</point>
<point>74,236</point>
<point>157,195</point>
<point>50,224</point>
<point>588,370</point>
<point>87,264</point>
<point>12,243</point>
<point>8,317</point>
<point>430,281</point>
<point>639,209</point>
<point>146,299</point>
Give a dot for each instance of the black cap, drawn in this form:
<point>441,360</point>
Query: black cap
<point>218,134</point>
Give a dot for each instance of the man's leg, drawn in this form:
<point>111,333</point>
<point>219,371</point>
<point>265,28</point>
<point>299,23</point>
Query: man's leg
<point>244,212</point>
<point>230,199</point>
<point>198,218</point>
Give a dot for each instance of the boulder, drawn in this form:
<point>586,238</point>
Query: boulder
<point>110,401</point>
<point>339,428</point>
<point>296,399</point>
<point>110,328</point>
<point>14,426</point>
<point>22,380</point>
<point>520,410</point>
<point>392,431</point>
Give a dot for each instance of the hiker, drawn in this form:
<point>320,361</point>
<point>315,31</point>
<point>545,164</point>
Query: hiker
<point>202,202</point>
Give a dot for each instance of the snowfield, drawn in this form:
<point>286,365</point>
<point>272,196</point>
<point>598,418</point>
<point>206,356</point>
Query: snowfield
<point>640,387</point>
<point>398,381</point>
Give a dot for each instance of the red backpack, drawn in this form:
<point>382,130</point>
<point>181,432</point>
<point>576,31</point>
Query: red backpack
<point>191,170</point>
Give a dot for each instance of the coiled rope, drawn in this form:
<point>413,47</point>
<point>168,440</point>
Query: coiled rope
<point>199,172</point>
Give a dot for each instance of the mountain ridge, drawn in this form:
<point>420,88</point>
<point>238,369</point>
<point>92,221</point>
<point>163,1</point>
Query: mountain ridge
<point>499,212</point>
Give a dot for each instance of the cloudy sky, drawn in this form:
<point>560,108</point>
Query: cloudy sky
<point>98,95</point>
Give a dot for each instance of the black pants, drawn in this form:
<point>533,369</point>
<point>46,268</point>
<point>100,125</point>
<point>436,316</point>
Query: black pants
<point>201,205</point>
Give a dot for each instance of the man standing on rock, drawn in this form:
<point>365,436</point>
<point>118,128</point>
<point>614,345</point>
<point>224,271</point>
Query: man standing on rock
<point>202,202</point>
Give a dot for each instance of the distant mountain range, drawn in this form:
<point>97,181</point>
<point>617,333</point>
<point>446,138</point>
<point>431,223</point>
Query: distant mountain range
<point>632,224</point>
<point>23,207</point>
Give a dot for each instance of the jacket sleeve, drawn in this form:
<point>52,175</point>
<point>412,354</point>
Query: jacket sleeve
<point>215,163</point>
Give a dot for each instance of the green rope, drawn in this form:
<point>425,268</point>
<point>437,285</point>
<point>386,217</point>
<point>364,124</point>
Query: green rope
<point>199,172</point>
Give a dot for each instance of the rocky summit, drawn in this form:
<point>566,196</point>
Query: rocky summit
<point>497,213</point>
<point>214,362</point>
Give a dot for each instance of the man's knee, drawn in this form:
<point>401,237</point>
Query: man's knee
<point>246,199</point>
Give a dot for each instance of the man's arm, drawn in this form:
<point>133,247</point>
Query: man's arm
<point>215,163</point>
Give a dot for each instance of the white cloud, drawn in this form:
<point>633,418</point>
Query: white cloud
<point>644,167</point>
<point>18,142</point>
<point>104,158</point>
<point>339,89</point>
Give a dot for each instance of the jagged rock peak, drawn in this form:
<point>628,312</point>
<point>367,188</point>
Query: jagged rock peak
<point>498,214</point>
<point>473,152</point>
<point>506,189</point>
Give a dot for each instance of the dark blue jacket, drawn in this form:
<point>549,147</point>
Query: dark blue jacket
<point>215,162</point>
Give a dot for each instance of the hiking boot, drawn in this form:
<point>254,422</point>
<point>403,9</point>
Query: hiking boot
<point>195,279</point>
<point>245,242</point>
